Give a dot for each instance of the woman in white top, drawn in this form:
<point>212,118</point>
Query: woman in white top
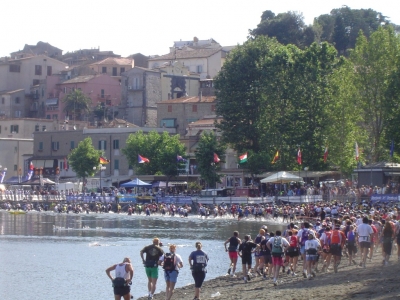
<point>312,247</point>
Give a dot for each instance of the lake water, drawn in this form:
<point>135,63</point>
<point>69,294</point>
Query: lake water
<point>64,256</point>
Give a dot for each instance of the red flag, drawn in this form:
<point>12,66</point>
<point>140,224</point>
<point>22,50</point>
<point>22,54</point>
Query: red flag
<point>216,158</point>
<point>299,157</point>
<point>142,159</point>
<point>103,160</point>
<point>326,154</point>
<point>276,157</point>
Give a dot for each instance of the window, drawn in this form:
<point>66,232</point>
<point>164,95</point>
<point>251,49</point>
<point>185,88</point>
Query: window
<point>115,144</point>
<point>36,127</point>
<point>40,146</point>
<point>35,81</point>
<point>199,69</point>
<point>38,70</point>
<point>14,128</point>
<point>122,70</point>
<point>55,146</point>
<point>169,108</point>
<point>103,70</point>
<point>15,167</point>
<point>114,71</point>
<point>168,123</point>
<point>49,70</point>
<point>44,128</point>
<point>213,107</point>
<point>48,117</point>
<point>194,108</point>
<point>108,102</point>
<point>17,101</point>
<point>116,164</point>
<point>102,145</point>
<point>102,94</point>
<point>72,145</point>
<point>136,83</point>
<point>18,113</point>
<point>15,68</point>
<point>54,117</point>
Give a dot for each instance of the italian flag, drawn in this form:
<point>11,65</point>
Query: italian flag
<point>243,158</point>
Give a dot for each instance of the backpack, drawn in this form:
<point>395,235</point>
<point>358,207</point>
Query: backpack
<point>169,262</point>
<point>335,238</point>
<point>304,236</point>
<point>277,248</point>
<point>293,241</point>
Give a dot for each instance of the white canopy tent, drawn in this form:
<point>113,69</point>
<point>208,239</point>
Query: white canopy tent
<point>281,177</point>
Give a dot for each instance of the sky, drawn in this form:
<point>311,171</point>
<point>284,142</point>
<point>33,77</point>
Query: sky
<point>150,27</point>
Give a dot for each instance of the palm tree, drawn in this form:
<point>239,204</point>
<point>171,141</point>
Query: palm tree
<point>77,103</point>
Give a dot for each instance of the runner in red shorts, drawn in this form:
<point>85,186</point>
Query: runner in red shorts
<point>232,249</point>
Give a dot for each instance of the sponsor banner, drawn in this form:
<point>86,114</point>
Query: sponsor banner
<point>174,199</point>
<point>385,198</point>
<point>87,199</point>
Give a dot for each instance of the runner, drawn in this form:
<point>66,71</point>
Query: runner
<point>338,240</point>
<point>292,253</point>
<point>388,237</point>
<point>245,250</point>
<point>171,263</point>
<point>153,254</point>
<point>312,247</point>
<point>232,249</point>
<point>122,280</point>
<point>351,244</point>
<point>259,257</point>
<point>277,246</point>
<point>303,237</point>
<point>364,234</point>
<point>198,262</point>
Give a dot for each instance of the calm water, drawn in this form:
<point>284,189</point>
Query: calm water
<point>64,256</point>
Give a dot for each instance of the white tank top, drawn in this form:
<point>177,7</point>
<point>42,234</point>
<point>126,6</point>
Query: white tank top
<point>121,272</point>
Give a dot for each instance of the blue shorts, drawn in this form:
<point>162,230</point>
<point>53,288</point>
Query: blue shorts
<point>171,276</point>
<point>302,250</point>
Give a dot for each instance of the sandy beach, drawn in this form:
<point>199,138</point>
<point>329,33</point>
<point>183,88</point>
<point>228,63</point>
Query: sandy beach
<point>351,282</point>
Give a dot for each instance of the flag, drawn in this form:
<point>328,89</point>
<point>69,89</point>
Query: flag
<point>392,149</point>
<point>31,169</point>
<point>276,157</point>
<point>357,152</point>
<point>326,154</point>
<point>103,160</point>
<point>180,158</point>
<point>299,156</point>
<point>3,175</point>
<point>216,158</point>
<point>142,159</point>
<point>243,158</point>
<point>65,164</point>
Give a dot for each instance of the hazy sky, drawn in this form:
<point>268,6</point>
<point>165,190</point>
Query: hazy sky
<point>150,27</point>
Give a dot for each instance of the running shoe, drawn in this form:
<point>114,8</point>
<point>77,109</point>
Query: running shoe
<point>309,277</point>
<point>294,274</point>
<point>275,282</point>
<point>233,276</point>
<point>304,274</point>
<point>248,277</point>
<point>288,271</point>
<point>229,271</point>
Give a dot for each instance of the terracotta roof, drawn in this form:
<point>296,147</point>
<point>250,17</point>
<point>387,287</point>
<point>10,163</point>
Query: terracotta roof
<point>182,54</point>
<point>84,78</point>
<point>114,61</point>
<point>191,99</point>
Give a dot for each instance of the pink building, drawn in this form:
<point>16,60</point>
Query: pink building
<point>99,88</point>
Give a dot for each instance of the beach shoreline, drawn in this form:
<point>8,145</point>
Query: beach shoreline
<point>351,282</point>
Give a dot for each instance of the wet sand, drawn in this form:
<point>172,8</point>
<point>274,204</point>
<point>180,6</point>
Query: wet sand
<point>351,282</point>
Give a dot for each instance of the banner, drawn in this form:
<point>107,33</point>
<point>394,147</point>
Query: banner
<point>385,198</point>
<point>176,199</point>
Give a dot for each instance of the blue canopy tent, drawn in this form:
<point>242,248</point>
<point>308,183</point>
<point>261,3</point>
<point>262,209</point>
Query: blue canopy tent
<point>136,183</point>
<point>14,180</point>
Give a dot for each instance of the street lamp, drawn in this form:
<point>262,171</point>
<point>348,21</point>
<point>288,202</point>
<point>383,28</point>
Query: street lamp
<point>101,168</point>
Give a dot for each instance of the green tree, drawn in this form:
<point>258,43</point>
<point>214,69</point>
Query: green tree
<point>287,28</point>
<point>77,104</point>
<point>160,149</point>
<point>83,158</point>
<point>207,146</point>
<point>275,97</point>
<point>375,64</point>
